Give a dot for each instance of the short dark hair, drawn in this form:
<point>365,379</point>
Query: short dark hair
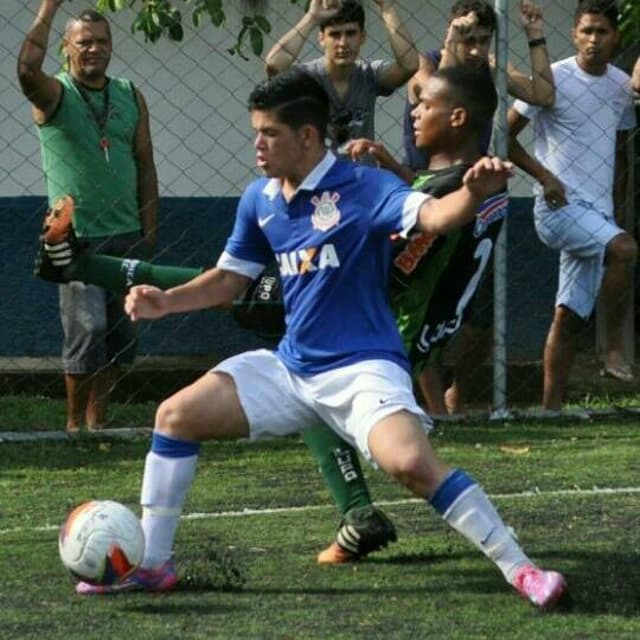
<point>485,12</point>
<point>349,11</point>
<point>606,8</point>
<point>87,15</point>
<point>295,97</point>
<point>472,88</point>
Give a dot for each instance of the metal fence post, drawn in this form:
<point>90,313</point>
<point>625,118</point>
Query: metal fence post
<point>500,252</point>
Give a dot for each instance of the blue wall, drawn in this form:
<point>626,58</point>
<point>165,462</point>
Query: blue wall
<point>192,232</point>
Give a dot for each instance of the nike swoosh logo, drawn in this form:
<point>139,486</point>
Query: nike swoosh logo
<point>264,221</point>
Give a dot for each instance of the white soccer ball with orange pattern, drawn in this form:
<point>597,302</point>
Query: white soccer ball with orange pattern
<point>101,542</point>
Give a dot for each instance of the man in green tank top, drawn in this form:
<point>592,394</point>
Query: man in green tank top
<point>96,146</point>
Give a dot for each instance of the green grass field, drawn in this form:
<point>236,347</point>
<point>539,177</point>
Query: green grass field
<point>258,514</point>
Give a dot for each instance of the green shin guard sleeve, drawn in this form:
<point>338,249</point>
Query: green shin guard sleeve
<point>118,274</point>
<point>340,468</point>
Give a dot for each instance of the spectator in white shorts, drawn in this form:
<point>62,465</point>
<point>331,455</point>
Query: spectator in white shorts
<point>579,147</point>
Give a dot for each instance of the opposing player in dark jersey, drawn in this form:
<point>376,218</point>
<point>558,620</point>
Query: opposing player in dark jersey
<point>434,279</point>
<point>467,42</point>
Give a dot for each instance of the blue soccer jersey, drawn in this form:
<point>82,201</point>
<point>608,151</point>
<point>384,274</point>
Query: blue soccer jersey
<point>331,243</point>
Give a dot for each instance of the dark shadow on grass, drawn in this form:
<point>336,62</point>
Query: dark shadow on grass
<point>165,605</point>
<point>599,583</point>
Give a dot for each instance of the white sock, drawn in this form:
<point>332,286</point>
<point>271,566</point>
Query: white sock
<point>164,488</point>
<point>473,515</point>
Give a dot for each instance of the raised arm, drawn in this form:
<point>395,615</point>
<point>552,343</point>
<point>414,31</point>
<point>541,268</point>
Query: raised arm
<point>538,88</point>
<point>42,90</point>
<point>148,197</point>
<point>406,60</point>
<point>442,215</point>
<point>285,52</point>
<point>554,192</point>
<point>460,30</point>
<point>426,69</point>
<point>213,288</point>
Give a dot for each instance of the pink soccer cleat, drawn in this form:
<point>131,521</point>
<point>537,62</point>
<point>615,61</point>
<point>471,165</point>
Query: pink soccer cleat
<point>542,588</point>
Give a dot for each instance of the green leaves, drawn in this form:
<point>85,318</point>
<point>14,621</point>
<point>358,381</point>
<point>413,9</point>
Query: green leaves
<point>254,27</point>
<point>156,19</point>
<point>630,22</point>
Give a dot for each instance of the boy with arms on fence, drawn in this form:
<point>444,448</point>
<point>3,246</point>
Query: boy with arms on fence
<point>341,360</point>
<point>353,84</point>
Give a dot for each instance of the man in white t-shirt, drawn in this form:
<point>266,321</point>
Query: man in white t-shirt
<point>579,144</point>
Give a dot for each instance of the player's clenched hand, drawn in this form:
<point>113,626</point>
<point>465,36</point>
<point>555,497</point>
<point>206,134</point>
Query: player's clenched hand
<point>487,176</point>
<point>144,302</point>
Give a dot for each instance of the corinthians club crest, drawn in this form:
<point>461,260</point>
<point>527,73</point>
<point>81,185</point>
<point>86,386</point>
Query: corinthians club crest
<point>326,213</point>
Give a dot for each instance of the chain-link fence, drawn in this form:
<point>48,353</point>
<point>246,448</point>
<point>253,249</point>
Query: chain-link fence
<point>196,92</point>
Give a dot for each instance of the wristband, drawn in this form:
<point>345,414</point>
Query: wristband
<point>537,42</point>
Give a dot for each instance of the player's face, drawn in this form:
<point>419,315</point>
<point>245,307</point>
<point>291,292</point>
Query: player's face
<point>596,40</point>
<point>342,43</point>
<point>474,47</point>
<point>88,47</point>
<point>432,115</point>
<point>280,150</point>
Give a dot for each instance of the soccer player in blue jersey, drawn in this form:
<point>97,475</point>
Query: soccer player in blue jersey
<point>341,360</point>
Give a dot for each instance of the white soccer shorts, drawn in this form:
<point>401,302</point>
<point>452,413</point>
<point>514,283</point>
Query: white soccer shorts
<point>350,400</point>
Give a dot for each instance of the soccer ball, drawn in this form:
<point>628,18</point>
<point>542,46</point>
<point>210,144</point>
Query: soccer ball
<point>101,542</point>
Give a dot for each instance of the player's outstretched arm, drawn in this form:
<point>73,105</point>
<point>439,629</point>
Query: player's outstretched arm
<point>485,177</point>
<point>42,90</point>
<point>285,52</point>
<point>213,288</point>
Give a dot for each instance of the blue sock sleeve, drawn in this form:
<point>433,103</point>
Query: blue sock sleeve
<point>452,486</point>
<point>172,447</point>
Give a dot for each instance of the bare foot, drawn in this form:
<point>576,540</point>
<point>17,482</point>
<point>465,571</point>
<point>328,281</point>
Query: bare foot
<point>615,367</point>
<point>451,400</point>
